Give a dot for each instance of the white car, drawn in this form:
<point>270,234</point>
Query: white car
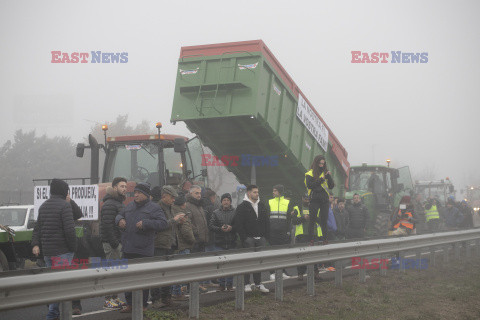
<point>21,220</point>
<point>18,218</point>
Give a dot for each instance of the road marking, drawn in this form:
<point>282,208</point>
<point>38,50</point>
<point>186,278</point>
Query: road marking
<point>93,312</point>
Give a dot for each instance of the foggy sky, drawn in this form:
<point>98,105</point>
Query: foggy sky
<point>422,115</point>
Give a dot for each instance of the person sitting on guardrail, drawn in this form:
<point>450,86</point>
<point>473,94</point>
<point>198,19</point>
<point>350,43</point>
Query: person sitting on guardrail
<point>55,233</point>
<point>404,223</point>
<point>140,220</point>
<point>252,224</point>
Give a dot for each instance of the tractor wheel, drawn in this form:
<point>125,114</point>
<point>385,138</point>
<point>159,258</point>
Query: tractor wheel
<point>382,224</point>
<point>3,262</point>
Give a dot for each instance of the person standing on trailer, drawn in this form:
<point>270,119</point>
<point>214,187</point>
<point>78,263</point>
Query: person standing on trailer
<point>318,181</point>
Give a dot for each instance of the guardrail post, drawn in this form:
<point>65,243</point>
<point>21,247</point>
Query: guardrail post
<point>311,279</point>
<point>401,256</point>
<point>456,248</point>
<point>137,305</point>
<point>432,256</point>
<point>362,273</point>
<point>445,253</point>
<point>383,264</point>
<point>239,292</point>
<point>66,310</point>
<point>194,301</point>
<point>279,284</point>
<point>338,272</point>
<point>468,248</point>
<point>418,254</point>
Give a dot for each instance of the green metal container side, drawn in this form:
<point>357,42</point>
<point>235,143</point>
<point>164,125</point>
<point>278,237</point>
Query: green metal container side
<point>249,111</point>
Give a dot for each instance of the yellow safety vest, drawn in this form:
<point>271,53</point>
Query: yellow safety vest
<point>278,208</point>
<point>432,213</point>
<point>324,183</point>
<point>299,227</point>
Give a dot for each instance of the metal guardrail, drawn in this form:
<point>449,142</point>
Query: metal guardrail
<point>29,290</point>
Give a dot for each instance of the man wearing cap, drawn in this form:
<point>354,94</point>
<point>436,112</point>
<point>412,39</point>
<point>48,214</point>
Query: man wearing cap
<point>280,221</point>
<point>221,225</point>
<point>140,220</point>
<point>185,240</point>
<point>166,241</point>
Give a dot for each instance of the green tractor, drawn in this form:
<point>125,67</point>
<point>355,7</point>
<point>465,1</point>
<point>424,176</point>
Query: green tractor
<point>380,188</point>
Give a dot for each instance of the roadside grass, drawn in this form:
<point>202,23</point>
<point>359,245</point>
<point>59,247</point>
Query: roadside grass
<point>451,292</point>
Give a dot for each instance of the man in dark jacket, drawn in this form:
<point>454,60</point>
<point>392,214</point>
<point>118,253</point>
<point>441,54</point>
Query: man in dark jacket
<point>252,225</point>
<point>340,216</point>
<point>140,220</point>
<point>110,234</point>
<point>453,216</point>
<point>221,225</point>
<point>467,213</point>
<point>280,221</point>
<point>209,206</point>
<point>357,218</point>
<point>55,233</point>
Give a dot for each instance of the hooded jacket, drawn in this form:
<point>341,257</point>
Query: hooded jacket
<point>198,218</point>
<point>54,232</point>
<point>112,205</point>
<point>220,217</point>
<point>251,219</point>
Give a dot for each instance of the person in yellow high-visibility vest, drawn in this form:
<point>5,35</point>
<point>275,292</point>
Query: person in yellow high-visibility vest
<point>280,221</point>
<point>318,181</point>
<point>432,216</point>
<point>301,219</point>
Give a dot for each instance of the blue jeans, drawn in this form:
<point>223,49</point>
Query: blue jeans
<point>177,288</point>
<point>59,262</point>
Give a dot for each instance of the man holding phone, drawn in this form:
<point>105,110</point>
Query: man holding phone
<point>140,220</point>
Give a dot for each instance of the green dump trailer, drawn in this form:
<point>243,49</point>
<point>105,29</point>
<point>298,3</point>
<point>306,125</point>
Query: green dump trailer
<point>246,108</point>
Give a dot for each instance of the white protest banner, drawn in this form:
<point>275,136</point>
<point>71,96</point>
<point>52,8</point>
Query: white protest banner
<point>312,122</point>
<point>86,196</point>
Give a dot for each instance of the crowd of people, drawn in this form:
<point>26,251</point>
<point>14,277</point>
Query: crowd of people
<point>163,221</point>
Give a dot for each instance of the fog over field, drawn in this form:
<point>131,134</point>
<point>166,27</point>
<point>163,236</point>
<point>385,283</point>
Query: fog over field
<point>424,115</point>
